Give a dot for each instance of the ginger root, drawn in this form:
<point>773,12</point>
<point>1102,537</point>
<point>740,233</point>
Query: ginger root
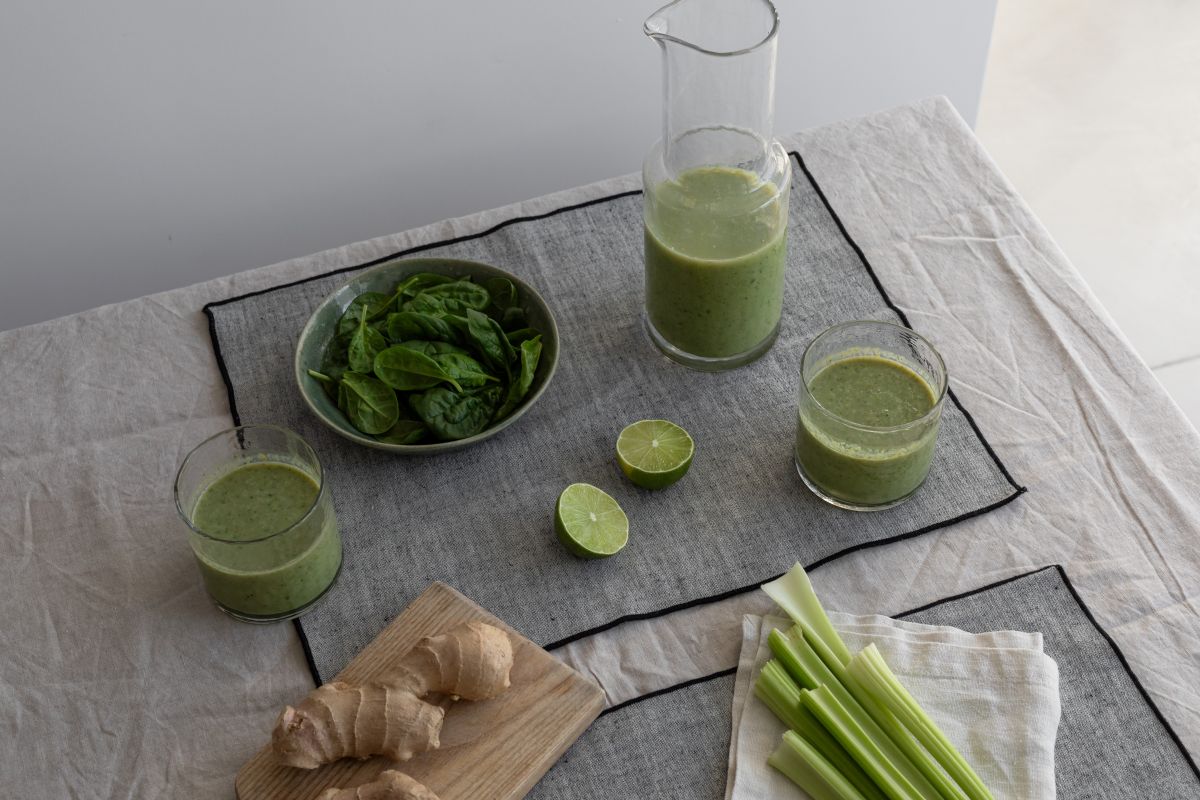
<point>388,717</point>
<point>338,720</point>
<point>390,785</point>
<point>471,662</point>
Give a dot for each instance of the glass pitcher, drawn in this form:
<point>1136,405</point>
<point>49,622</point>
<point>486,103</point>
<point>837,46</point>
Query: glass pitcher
<point>716,186</point>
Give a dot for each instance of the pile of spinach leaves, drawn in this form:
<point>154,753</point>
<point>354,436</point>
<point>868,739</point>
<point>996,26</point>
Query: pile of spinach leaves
<point>439,358</point>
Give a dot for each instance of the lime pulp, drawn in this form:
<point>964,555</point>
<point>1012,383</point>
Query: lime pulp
<point>654,453</point>
<point>589,522</point>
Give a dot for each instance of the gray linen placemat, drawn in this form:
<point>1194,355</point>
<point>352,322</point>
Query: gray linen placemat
<point>480,519</point>
<point>667,745</point>
<point>1112,740</point>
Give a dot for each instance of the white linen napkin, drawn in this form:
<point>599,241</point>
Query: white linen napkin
<point>994,694</point>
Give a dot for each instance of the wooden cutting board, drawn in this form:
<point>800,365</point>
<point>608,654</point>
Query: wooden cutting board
<point>490,750</point>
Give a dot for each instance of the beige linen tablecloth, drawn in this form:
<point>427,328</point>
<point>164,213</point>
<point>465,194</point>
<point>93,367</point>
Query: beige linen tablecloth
<point>118,679</point>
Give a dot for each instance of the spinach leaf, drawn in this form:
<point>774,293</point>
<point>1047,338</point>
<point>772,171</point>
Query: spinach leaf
<point>491,395</point>
<point>485,334</point>
<point>520,335</point>
<point>375,304</point>
<point>467,371</point>
<point>451,415</point>
<point>405,431</point>
<point>459,323</point>
<point>504,308</point>
<point>329,383</point>
<point>333,366</point>
<point>433,348</point>
<point>404,369</point>
<point>465,293</point>
<point>417,282</point>
<point>365,344</point>
<point>403,381</point>
<point>326,382</point>
<point>371,406</point>
<point>425,304</point>
<point>513,318</point>
<point>416,325</point>
<point>531,353</point>
<point>455,297</point>
<point>510,354</point>
<point>504,294</point>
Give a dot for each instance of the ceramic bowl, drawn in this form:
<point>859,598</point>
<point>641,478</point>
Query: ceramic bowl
<point>321,325</point>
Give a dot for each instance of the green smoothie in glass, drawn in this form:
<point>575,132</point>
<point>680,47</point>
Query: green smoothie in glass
<point>276,574</point>
<point>261,522</point>
<point>716,249</point>
<point>869,412</point>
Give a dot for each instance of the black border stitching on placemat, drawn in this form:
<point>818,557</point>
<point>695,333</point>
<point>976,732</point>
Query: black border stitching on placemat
<point>309,658</point>
<point>668,689</point>
<point>1018,489</point>
<point>216,343</point>
<point>1066,579</point>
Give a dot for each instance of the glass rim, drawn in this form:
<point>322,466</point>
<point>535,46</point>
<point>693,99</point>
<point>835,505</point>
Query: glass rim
<point>659,36</point>
<point>237,430</point>
<point>941,390</point>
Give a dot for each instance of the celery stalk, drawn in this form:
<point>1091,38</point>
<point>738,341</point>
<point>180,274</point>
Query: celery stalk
<point>782,696</point>
<point>923,771</point>
<point>806,768</point>
<point>806,672</point>
<point>869,668</point>
<point>861,747</point>
<point>793,592</point>
<point>820,666</point>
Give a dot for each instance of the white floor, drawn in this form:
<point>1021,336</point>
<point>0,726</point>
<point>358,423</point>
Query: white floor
<point>1092,109</point>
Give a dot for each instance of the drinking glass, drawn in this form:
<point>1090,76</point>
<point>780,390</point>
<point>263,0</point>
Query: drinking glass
<point>260,561</point>
<point>845,461</point>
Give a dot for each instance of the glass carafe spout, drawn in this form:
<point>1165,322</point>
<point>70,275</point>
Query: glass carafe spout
<point>718,82</point>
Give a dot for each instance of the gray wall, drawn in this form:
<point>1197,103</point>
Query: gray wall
<point>149,144</point>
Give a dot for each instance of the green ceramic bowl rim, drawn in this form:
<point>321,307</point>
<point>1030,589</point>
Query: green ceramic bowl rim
<point>441,266</point>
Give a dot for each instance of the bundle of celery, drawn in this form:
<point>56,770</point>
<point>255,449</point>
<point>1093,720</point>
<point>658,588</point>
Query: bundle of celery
<point>856,733</point>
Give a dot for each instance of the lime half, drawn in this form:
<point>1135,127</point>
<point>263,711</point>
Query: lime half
<point>655,453</point>
<point>589,522</point>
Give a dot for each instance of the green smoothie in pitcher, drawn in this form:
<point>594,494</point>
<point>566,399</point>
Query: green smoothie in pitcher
<point>716,249</point>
